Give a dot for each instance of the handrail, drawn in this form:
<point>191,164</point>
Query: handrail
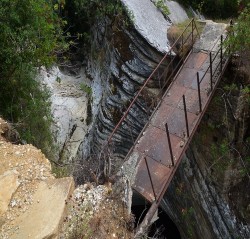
<point>169,53</point>
<point>222,63</point>
<point>213,58</point>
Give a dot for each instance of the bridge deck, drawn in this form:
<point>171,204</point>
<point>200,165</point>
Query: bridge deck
<point>153,144</point>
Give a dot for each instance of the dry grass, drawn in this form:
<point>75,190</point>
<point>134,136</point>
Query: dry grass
<point>112,221</point>
<point>93,218</point>
<point>176,30</point>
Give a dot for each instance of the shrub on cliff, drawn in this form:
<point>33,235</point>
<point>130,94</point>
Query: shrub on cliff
<point>240,40</point>
<point>82,14</point>
<point>30,37</point>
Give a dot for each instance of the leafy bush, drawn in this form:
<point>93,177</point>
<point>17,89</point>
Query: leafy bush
<point>87,89</point>
<point>82,14</point>
<point>161,5</point>
<point>31,36</point>
<point>240,40</point>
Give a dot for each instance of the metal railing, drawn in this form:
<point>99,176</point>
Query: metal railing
<point>218,60</point>
<point>215,68</point>
<point>161,76</point>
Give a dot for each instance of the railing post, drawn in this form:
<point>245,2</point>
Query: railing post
<point>192,34</point>
<point>211,70</point>
<point>221,52</point>
<point>169,144</point>
<point>231,33</point>
<point>182,44</point>
<point>185,111</point>
<point>149,174</point>
<point>199,91</point>
<point>171,62</point>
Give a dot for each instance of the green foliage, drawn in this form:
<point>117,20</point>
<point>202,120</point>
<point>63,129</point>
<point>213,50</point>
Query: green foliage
<point>27,105</point>
<point>245,171</point>
<point>77,225</point>
<point>87,89</point>
<point>83,13</point>
<point>230,87</point>
<point>220,150</point>
<point>188,215</point>
<point>61,171</point>
<point>240,38</point>
<point>161,5</point>
<point>30,33</point>
<point>31,36</point>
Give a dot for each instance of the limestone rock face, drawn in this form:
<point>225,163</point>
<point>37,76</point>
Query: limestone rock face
<point>177,13</point>
<point>126,58</point>
<point>123,57</point>
<point>69,109</point>
<point>150,23</point>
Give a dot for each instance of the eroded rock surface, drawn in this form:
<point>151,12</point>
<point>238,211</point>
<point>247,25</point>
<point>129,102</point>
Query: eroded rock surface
<point>69,109</point>
<point>177,13</point>
<point>149,22</point>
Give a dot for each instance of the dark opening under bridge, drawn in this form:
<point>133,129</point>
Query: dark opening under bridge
<point>161,144</point>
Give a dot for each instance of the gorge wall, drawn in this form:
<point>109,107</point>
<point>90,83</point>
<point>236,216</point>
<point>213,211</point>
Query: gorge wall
<point>207,197</point>
<point>124,53</point>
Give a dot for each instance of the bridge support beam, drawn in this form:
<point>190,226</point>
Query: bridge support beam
<point>143,227</point>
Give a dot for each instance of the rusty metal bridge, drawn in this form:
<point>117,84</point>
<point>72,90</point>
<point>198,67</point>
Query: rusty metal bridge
<point>176,113</point>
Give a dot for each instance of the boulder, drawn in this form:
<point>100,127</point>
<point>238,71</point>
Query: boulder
<point>45,215</point>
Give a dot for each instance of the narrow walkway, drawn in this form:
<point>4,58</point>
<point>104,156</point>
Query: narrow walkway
<point>163,142</point>
<point>153,145</point>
